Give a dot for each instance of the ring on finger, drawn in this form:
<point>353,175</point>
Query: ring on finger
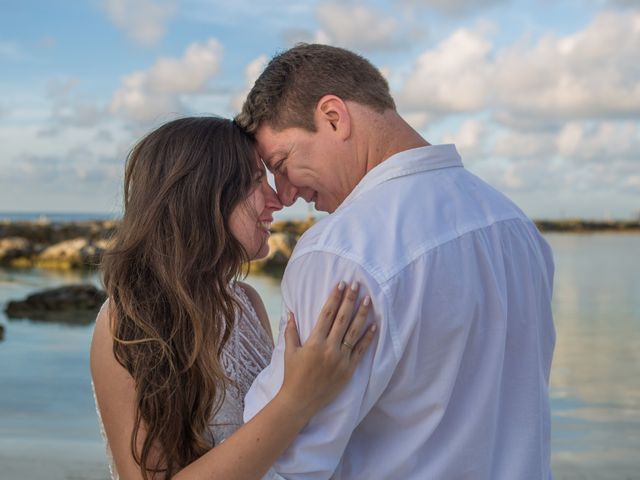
<point>347,344</point>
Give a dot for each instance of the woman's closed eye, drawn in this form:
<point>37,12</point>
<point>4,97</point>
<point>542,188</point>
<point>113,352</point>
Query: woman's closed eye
<point>259,176</point>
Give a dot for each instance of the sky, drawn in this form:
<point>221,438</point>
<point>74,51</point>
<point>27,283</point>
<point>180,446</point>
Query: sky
<point>542,98</point>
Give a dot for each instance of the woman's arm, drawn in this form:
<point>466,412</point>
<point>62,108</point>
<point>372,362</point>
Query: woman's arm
<point>314,374</point>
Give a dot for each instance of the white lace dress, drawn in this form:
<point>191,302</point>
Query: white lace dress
<point>244,356</point>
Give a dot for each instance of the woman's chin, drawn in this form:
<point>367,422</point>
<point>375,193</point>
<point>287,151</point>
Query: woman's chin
<point>262,253</point>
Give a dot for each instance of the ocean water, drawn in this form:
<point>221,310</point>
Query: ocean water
<point>49,429</point>
<point>56,216</point>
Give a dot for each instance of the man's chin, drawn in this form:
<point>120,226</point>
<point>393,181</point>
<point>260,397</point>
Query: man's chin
<point>317,203</point>
<point>323,206</point>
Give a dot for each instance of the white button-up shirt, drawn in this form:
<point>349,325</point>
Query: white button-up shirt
<point>455,385</point>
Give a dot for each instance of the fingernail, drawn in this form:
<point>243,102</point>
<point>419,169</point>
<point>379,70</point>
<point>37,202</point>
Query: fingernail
<point>374,327</point>
<point>367,301</point>
<point>289,316</point>
<point>354,286</point>
<point>341,286</point>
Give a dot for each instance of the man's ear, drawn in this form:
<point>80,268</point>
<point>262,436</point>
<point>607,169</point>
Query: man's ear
<point>332,113</point>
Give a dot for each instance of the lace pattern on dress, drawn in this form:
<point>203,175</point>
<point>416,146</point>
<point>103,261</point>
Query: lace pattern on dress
<point>246,353</point>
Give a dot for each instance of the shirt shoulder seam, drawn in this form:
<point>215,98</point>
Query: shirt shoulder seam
<point>367,270</point>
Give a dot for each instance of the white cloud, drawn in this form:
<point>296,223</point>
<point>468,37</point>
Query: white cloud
<point>293,36</point>
<point>143,20</point>
<point>632,183</point>
<point>470,140</point>
<point>453,77</point>
<point>535,146</point>
<point>456,7</point>
<point>148,94</point>
<point>356,26</point>
<point>594,74</point>
<point>48,42</point>
<point>77,164</point>
<point>625,3</point>
<point>251,73</point>
<point>417,120</point>
<point>12,51</point>
<point>580,157</point>
<point>104,135</point>
<point>274,15</point>
<point>69,108</point>
<point>601,143</point>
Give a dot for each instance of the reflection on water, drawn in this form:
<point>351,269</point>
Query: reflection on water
<point>269,289</point>
<point>595,381</point>
<point>595,378</point>
<point>48,426</point>
<point>74,317</point>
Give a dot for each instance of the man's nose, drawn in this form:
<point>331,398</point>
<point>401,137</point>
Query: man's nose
<point>272,201</point>
<point>287,192</point>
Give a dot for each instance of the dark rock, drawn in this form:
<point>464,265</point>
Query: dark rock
<point>1,332</point>
<point>48,233</point>
<point>77,304</point>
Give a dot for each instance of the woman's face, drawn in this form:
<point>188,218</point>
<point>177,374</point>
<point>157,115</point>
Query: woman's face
<point>250,221</point>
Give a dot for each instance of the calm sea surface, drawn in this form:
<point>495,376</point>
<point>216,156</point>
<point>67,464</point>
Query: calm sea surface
<point>48,427</point>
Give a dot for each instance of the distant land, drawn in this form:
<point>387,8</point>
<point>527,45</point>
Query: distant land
<point>571,225</point>
<point>588,226</point>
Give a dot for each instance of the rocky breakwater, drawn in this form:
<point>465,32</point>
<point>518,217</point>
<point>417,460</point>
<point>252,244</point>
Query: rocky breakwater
<point>282,241</point>
<point>60,245</point>
<point>73,304</point>
<point>77,245</point>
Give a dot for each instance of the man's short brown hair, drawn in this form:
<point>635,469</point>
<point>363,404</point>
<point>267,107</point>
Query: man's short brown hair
<point>287,92</point>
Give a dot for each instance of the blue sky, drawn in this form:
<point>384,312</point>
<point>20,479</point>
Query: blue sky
<point>541,97</point>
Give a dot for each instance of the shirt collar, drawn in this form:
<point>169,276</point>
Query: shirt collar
<point>415,160</point>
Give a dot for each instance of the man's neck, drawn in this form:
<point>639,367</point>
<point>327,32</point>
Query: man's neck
<point>389,134</point>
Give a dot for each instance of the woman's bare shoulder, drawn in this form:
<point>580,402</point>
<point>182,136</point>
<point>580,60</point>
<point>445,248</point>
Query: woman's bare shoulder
<point>102,333</point>
<point>258,305</point>
<point>105,369</point>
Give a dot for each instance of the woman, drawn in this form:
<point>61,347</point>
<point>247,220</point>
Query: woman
<point>180,340</point>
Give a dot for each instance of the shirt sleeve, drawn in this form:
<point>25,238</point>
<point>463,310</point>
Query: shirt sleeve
<point>317,451</point>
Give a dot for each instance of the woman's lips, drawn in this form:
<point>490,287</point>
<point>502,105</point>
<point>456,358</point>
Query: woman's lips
<point>265,225</point>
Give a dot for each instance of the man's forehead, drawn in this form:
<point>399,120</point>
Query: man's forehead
<point>269,144</point>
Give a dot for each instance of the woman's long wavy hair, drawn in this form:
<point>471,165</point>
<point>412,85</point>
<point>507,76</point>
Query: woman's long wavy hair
<point>168,276</point>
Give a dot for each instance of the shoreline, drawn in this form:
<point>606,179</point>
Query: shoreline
<point>588,226</point>
<point>80,244</point>
<point>298,225</point>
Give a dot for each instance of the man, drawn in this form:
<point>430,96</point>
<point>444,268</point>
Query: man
<point>457,384</point>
